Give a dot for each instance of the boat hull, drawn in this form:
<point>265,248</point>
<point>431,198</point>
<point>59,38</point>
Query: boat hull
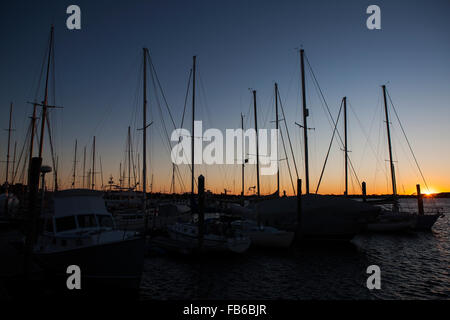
<point>322,217</point>
<point>396,222</point>
<point>426,222</point>
<point>236,245</point>
<point>401,226</point>
<point>117,265</point>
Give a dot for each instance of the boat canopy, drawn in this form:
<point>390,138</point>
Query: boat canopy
<point>69,204</point>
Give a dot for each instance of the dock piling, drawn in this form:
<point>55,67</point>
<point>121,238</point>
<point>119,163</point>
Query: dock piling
<point>363,191</point>
<point>201,210</point>
<point>419,200</point>
<point>299,209</point>
<point>33,189</point>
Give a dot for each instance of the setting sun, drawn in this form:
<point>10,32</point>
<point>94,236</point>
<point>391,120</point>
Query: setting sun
<point>429,192</point>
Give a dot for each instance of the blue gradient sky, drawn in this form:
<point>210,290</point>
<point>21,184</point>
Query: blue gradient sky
<point>240,45</point>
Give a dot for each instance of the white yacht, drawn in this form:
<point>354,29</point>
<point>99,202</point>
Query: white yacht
<point>80,231</point>
<point>123,199</point>
<point>218,236</point>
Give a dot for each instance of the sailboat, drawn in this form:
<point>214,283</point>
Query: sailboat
<point>213,233</point>
<point>219,236</point>
<point>322,217</point>
<point>264,236</point>
<point>9,203</point>
<point>260,235</point>
<point>123,199</point>
<point>394,219</point>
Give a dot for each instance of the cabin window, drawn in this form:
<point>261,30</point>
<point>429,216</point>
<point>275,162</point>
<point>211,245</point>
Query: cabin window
<point>86,221</point>
<point>65,223</point>
<point>105,221</point>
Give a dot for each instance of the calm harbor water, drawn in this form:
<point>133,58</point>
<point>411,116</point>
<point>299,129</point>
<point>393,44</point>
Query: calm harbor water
<point>413,266</point>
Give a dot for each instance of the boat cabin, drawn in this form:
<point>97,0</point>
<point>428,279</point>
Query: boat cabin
<point>78,211</point>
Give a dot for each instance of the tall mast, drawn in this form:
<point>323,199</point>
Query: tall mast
<point>93,165</point>
<point>55,175</point>
<point>129,160</point>
<point>391,161</point>
<point>139,172</point>
<point>345,146</point>
<point>192,134</point>
<point>33,129</point>
<point>276,123</point>
<point>173,178</point>
<point>257,143</point>
<point>44,106</point>
<point>9,142</point>
<point>74,165</point>
<point>144,138</point>
<point>133,164</point>
<point>101,171</point>
<point>84,167</point>
<point>120,175</point>
<point>13,175</point>
<point>305,124</point>
<point>243,155</point>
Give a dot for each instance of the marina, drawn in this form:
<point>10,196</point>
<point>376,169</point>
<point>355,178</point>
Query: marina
<point>274,189</point>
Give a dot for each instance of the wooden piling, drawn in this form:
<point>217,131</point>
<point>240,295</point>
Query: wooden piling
<point>299,209</point>
<point>33,213</point>
<point>364,192</point>
<point>419,200</point>
<point>201,210</point>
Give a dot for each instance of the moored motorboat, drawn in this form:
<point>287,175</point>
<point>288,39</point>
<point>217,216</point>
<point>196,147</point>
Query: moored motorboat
<point>81,232</point>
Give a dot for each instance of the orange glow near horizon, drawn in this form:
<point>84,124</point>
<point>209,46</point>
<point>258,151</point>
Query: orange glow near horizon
<point>429,192</point>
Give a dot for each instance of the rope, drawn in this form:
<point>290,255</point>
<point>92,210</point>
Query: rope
<point>287,161</point>
<point>407,141</point>
<point>186,97</point>
<point>332,119</point>
<point>329,148</point>
<point>287,131</point>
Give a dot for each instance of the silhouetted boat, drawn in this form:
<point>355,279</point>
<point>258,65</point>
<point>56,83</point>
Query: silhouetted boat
<point>264,236</point>
<point>79,231</point>
<point>218,236</point>
<point>322,217</point>
<point>394,218</point>
<point>393,223</point>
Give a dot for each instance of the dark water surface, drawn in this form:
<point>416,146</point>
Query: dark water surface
<point>413,266</point>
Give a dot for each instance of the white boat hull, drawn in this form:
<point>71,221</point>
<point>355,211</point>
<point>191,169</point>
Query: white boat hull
<point>211,243</point>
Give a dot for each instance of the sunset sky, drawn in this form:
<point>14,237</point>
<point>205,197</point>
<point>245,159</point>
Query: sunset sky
<point>240,45</point>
